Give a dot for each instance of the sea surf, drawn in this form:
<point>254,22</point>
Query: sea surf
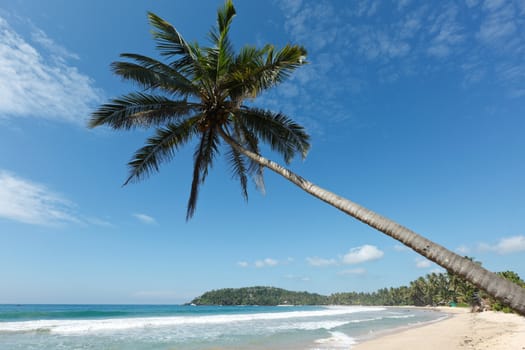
<point>169,327</point>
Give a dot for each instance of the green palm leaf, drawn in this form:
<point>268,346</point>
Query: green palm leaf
<point>267,68</point>
<point>140,110</point>
<point>203,161</point>
<point>221,55</point>
<point>248,140</point>
<point>239,170</point>
<point>280,132</point>
<point>169,41</point>
<point>152,74</point>
<point>161,148</point>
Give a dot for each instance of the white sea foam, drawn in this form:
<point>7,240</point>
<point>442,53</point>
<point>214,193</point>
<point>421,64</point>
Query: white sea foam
<point>337,340</point>
<point>310,326</point>
<point>120,324</point>
<point>400,316</point>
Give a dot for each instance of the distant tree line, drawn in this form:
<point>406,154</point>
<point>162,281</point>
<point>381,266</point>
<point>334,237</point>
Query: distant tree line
<point>433,289</point>
<point>259,296</point>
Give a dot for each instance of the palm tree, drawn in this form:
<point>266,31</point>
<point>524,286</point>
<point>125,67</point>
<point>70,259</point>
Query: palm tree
<point>200,93</point>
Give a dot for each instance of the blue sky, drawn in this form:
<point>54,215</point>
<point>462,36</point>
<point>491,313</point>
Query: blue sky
<point>416,110</point>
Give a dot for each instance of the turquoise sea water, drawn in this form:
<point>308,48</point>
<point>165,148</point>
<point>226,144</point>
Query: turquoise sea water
<point>170,327</point>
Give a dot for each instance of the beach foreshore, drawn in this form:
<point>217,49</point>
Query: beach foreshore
<point>462,330</point>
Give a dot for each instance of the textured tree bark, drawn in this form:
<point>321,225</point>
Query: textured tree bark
<point>495,285</point>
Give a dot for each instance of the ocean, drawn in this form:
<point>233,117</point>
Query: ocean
<point>170,327</point>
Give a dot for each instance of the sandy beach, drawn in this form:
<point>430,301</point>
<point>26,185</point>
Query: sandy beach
<point>463,330</point>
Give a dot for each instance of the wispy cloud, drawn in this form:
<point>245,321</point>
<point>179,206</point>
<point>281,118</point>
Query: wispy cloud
<point>57,51</point>
<point>316,261</point>
<point>297,278</point>
<point>40,83</point>
<point>499,24</point>
<point>506,245</point>
<point>401,248</point>
<point>146,219</point>
<point>423,263</point>
<point>463,249</point>
<point>306,21</point>
<point>357,271</point>
<point>446,33</point>
<point>354,256</point>
<point>32,203</point>
<point>243,263</point>
<point>438,270</point>
<point>268,262</point>
<point>362,254</point>
<point>361,43</point>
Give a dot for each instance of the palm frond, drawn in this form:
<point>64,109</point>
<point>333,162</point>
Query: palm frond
<point>203,161</point>
<point>152,74</point>
<point>239,170</point>
<point>161,148</point>
<point>268,71</point>
<point>242,70</point>
<point>280,132</point>
<point>169,41</point>
<point>225,15</point>
<point>281,64</point>
<point>140,110</point>
<point>221,55</point>
<point>247,139</point>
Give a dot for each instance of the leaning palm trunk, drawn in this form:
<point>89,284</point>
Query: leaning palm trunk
<point>495,285</point>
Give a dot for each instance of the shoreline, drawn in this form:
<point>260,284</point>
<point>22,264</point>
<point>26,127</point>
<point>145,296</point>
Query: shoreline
<point>459,329</point>
<point>446,314</point>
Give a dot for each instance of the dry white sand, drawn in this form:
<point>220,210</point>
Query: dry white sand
<point>463,330</point>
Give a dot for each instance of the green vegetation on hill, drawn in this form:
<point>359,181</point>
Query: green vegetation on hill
<point>432,289</point>
<point>258,296</point>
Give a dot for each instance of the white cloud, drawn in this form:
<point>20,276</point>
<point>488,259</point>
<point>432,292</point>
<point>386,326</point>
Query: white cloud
<point>357,271</point>
<point>290,6</point>
<point>493,4</point>
<point>316,261</point>
<point>463,249</point>
<point>377,44</point>
<point>59,52</point>
<point>366,8</point>
<point>268,262</point>
<point>402,3</point>
<point>446,33</point>
<point>146,219</point>
<point>297,278</point>
<point>401,248</point>
<point>242,263</point>
<point>311,22</point>
<point>394,40</point>
<point>471,3</point>
<point>362,254</point>
<point>40,84</point>
<point>423,263</point>
<point>32,203</point>
<point>498,25</point>
<point>506,245</point>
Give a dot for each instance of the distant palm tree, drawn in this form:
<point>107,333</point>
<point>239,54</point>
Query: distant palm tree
<point>201,92</point>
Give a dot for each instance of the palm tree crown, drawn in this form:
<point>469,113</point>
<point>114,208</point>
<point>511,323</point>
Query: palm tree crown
<point>200,92</point>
